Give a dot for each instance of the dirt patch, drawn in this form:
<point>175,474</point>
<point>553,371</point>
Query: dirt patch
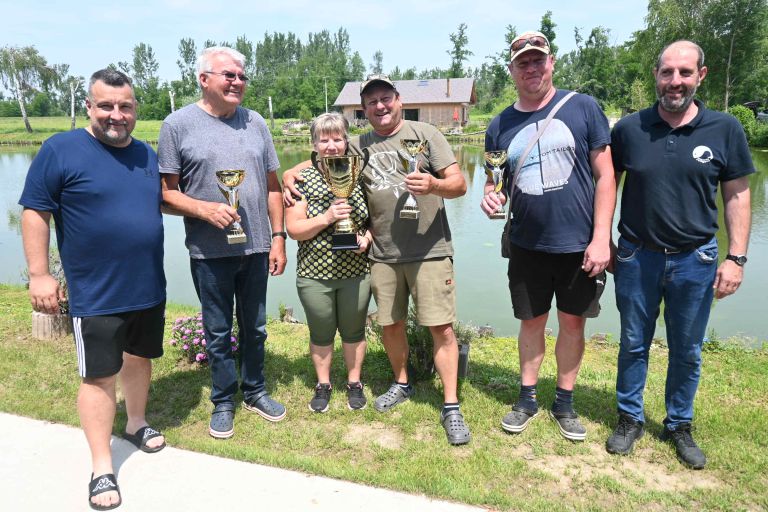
<point>374,433</point>
<point>642,470</point>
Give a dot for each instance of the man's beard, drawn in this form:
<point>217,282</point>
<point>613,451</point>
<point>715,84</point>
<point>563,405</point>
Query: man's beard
<point>678,105</point>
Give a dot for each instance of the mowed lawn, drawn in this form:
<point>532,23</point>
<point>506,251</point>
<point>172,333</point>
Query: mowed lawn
<point>406,448</point>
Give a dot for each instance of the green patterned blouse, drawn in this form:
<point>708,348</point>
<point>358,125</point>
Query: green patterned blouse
<point>315,258</point>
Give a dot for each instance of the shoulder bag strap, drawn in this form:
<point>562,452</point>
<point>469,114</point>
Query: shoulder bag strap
<point>532,143</point>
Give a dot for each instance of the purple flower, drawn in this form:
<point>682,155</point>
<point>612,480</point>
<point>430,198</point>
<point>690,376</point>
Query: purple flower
<point>185,347</point>
<point>203,343</point>
<point>173,343</point>
<point>199,331</point>
<point>234,348</point>
<point>195,341</point>
<point>200,357</point>
<point>188,331</point>
<point>184,337</point>
<point>233,339</point>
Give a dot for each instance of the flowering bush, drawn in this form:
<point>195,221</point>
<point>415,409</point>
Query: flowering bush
<point>188,337</point>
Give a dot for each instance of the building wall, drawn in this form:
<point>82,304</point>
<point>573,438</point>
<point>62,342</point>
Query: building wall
<point>441,115</point>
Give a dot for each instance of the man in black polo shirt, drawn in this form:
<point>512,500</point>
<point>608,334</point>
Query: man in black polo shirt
<point>675,154</point>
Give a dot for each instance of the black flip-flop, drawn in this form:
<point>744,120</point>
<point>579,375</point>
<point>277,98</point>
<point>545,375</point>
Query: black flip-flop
<point>140,438</point>
<point>102,484</point>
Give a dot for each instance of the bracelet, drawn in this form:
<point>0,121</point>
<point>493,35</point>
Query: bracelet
<point>280,233</point>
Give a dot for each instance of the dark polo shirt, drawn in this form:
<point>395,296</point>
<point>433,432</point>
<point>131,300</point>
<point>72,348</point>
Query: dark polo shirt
<point>670,191</point>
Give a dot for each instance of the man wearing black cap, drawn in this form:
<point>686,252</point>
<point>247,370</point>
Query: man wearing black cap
<point>562,203</point>
<point>410,257</point>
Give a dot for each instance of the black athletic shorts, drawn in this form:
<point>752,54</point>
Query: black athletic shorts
<point>101,340</point>
<point>535,277</point>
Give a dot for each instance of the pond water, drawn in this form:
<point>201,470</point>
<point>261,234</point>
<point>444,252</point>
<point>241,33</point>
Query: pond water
<point>482,294</point>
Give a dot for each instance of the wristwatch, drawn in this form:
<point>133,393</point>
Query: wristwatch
<point>739,259</point>
<point>280,233</point>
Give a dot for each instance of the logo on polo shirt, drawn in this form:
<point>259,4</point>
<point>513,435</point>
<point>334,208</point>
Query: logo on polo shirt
<point>702,154</point>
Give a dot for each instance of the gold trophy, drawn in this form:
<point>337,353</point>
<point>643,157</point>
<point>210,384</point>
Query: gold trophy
<point>496,159</point>
<point>341,174</point>
<point>229,181</point>
<point>413,147</point>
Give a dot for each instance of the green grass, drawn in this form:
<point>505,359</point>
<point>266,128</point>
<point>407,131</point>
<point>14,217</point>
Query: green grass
<point>406,449</point>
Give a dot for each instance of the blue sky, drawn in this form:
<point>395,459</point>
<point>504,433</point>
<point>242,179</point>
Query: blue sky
<point>90,35</point>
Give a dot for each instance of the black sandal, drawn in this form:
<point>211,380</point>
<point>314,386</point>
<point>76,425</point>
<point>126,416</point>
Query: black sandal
<point>140,438</point>
<point>102,484</point>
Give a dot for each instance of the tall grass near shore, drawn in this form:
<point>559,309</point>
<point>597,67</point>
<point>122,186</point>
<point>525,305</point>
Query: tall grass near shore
<point>406,448</point>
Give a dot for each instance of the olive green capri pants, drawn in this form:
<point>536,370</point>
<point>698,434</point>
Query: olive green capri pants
<point>335,304</point>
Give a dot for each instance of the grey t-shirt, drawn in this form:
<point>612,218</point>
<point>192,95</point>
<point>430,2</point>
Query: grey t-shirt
<point>194,145</point>
<point>397,240</point>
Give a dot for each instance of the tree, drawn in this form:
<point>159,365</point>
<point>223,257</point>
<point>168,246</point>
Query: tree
<point>187,62</point>
<point>459,53</point>
<point>23,71</point>
<point>548,29</point>
<point>378,59</point>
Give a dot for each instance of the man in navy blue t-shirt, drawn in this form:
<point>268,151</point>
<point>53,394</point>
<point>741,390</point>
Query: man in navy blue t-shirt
<point>562,206</point>
<point>102,187</point>
<point>674,155</point>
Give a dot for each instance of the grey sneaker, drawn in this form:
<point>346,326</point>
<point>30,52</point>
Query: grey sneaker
<point>394,395</point>
<point>518,419</point>
<point>624,436</point>
<point>569,425</point>
<point>263,405</point>
<point>687,449</point>
<point>222,424</point>
<point>456,430</point>
<point>356,400</point>
<point>320,402</point>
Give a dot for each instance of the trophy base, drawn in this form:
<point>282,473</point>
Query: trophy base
<point>498,215</point>
<point>344,242</point>
<point>236,238</point>
<point>408,213</point>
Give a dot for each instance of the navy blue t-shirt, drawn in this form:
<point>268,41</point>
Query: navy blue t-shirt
<point>553,201</point>
<point>670,191</point>
<point>105,202</point>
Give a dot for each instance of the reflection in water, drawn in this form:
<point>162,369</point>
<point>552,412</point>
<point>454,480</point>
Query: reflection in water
<point>482,294</point>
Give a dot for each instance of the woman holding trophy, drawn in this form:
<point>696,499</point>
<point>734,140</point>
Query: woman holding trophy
<point>332,271</point>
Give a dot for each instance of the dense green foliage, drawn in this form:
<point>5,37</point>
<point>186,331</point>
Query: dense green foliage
<point>303,77</point>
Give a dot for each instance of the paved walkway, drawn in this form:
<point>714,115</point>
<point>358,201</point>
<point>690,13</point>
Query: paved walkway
<point>45,466</point>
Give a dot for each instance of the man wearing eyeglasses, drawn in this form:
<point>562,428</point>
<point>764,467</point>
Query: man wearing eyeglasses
<point>215,134</point>
<point>674,155</point>
<point>562,204</point>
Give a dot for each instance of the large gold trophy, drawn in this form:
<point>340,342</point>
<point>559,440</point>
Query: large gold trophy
<point>496,159</point>
<point>341,173</point>
<point>229,181</point>
<point>413,147</point>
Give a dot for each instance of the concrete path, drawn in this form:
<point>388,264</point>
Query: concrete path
<point>45,467</point>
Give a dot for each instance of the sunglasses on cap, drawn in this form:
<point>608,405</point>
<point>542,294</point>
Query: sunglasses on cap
<point>537,41</point>
<point>229,76</point>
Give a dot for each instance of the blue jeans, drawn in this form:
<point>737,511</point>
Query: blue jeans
<point>222,283</point>
<point>684,281</point>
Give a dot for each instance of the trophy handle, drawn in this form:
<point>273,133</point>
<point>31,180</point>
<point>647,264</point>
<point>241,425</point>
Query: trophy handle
<point>315,161</point>
<point>366,157</point>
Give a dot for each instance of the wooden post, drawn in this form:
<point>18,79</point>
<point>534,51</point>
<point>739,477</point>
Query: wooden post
<point>47,327</point>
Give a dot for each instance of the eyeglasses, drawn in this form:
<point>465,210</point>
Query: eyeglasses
<point>229,76</point>
<point>537,41</point>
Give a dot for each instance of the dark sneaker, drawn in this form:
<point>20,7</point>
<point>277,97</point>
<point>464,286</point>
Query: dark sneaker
<point>456,429</point>
<point>263,405</point>
<point>687,449</point>
<point>222,424</point>
<point>355,397</point>
<point>624,436</point>
<point>518,419</point>
<point>319,402</point>
<point>394,395</point>
<point>569,425</point>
